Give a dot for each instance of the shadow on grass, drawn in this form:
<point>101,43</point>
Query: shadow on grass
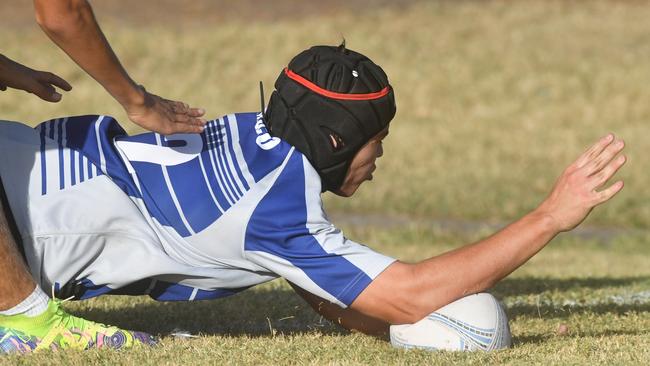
<point>254,313</point>
<point>537,285</point>
<point>264,312</point>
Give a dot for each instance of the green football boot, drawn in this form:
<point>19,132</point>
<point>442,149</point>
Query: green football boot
<point>57,330</point>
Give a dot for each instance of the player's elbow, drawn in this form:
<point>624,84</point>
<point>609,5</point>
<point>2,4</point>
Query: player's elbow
<point>396,296</point>
<point>61,18</point>
<point>411,303</point>
<point>408,310</point>
<point>407,293</point>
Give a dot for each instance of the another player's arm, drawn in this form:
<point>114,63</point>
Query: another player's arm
<point>405,293</point>
<point>71,24</point>
<point>39,83</point>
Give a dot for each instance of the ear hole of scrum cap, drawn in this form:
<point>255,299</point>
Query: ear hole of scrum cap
<point>336,141</point>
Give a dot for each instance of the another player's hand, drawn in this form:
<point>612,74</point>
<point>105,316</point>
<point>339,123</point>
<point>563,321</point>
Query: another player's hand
<point>581,187</point>
<point>165,116</point>
<point>40,83</point>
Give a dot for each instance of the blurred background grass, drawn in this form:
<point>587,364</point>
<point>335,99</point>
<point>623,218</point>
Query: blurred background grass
<point>494,98</point>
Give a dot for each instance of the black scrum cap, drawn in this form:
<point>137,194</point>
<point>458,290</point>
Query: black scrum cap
<point>328,103</point>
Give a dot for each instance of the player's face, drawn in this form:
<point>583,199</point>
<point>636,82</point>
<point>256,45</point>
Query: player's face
<point>363,165</point>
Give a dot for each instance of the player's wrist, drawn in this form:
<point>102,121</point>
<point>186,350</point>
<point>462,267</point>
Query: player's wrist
<point>134,98</point>
<point>546,221</point>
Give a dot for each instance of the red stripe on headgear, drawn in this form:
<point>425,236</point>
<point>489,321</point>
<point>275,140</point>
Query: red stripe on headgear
<point>330,94</point>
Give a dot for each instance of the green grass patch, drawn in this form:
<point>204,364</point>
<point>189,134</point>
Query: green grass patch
<point>599,289</point>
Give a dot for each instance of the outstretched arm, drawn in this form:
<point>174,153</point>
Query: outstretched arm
<point>72,26</point>
<point>405,293</point>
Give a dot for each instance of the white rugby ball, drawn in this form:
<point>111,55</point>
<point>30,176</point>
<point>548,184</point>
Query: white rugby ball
<point>473,323</point>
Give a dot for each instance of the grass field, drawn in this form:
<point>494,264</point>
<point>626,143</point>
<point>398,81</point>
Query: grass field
<point>494,99</point>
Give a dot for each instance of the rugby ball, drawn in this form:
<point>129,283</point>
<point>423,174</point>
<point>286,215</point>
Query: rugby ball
<point>472,323</point>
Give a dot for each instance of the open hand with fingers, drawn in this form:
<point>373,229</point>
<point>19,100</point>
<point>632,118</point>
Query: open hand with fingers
<point>165,116</point>
<point>40,83</point>
<point>582,185</point>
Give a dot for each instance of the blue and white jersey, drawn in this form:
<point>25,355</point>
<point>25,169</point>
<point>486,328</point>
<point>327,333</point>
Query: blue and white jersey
<point>181,217</point>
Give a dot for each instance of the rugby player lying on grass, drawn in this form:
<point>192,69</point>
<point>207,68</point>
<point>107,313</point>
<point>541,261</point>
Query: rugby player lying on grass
<point>194,217</point>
